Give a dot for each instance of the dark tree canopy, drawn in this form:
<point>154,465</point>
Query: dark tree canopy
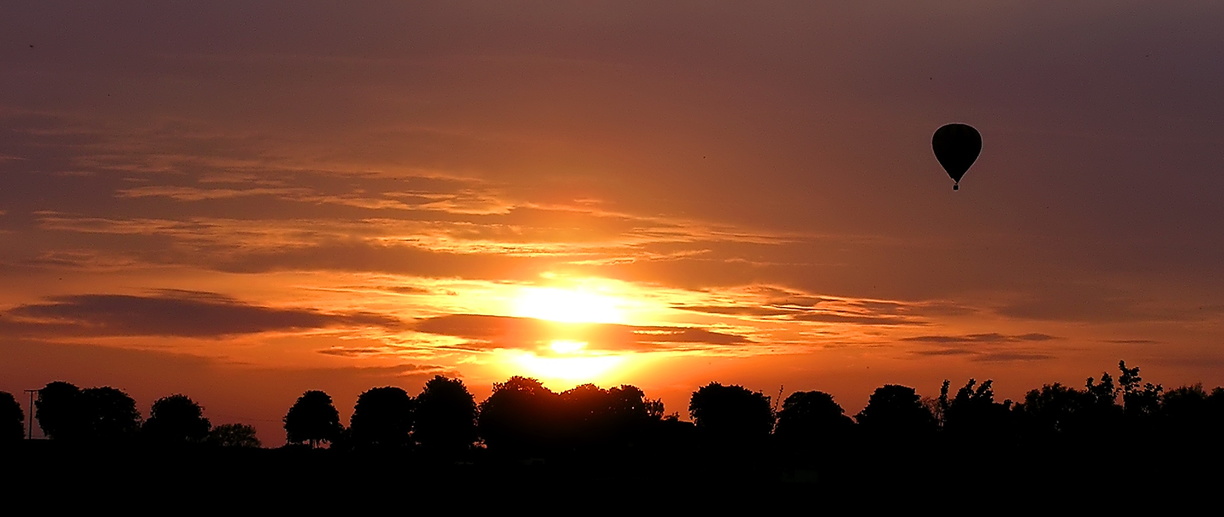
<point>110,414</point>
<point>59,411</point>
<point>1139,401</point>
<point>592,418</point>
<point>812,417</point>
<point>896,410</point>
<point>1055,408</point>
<point>176,419</point>
<point>11,419</point>
<point>313,419</point>
<point>234,435</point>
<point>519,417</point>
<point>731,412</point>
<point>382,419</point>
<point>973,412</point>
<point>445,416</point>
<point>65,412</point>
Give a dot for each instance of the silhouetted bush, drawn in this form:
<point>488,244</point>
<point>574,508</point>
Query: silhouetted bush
<point>234,436</point>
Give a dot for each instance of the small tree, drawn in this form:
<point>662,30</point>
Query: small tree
<point>11,419</point>
<point>314,419</point>
<point>176,419</point>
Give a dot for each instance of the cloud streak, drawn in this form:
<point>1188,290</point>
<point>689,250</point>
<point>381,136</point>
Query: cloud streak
<point>173,313</point>
<point>487,331</point>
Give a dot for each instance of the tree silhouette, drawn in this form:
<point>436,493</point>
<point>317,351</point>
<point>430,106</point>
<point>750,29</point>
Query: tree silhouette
<point>59,412</point>
<point>896,410</point>
<point>585,416</point>
<point>176,419</point>
<point>314,419</point>
<point>110,414</point>
<point>731,413</point>
<point>11,419</point>
<point>445,416</point>
<point>811,418</point>
<point>234,435</point>
<point>1091,414</point>
<point>104,414</point>
<point>519,417</point>
<point>1140,401</point>
<point>973,413</point>
<point>382,419</point>
<point>594,418</point>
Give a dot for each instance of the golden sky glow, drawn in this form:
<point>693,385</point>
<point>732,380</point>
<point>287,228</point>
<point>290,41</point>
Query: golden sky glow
<point>223,201</point>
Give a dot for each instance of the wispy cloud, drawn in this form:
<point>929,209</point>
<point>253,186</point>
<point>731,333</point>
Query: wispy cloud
<point>990,337</point>
<point>985,347</point>
<point>486,331</point>
<point>172,313</point>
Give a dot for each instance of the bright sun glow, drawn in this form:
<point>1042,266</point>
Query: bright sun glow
<point>567,356</point>
<point>567,305</point>
<point>568,368</point>
<point>565,346</point>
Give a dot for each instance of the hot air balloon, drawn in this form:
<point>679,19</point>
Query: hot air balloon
<point>956,147</point>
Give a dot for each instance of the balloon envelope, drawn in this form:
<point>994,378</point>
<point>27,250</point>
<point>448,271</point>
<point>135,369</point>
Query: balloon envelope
<point>956,147</point>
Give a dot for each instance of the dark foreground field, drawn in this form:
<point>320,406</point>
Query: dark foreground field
<point>196,481</point>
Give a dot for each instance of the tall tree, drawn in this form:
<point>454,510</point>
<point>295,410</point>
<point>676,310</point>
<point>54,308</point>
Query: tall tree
<point>445,416</point>
<point>176,419</point>
<point>731,412</point>
<point>382,418</point>
<point>11,419</point>
<point>1140,401</point>
<point>313,419</point>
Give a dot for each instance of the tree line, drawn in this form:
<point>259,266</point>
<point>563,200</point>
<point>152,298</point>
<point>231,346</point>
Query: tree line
<point>522,418</point>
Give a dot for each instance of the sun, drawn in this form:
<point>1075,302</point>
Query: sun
<point>567,305</point>
<point>570,348</point>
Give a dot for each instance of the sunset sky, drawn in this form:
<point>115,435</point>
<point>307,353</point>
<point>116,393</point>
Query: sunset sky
<point>241,201</point>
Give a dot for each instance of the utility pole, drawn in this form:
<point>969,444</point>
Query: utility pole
<point>30,419</point>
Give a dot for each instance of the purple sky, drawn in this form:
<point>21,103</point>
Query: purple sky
<point>241,201</point>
